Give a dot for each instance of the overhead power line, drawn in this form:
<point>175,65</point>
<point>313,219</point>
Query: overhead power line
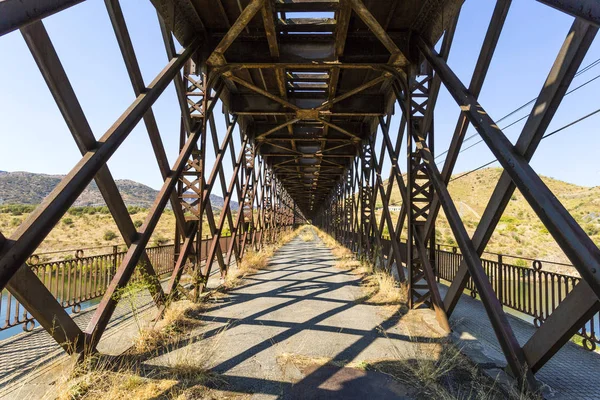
<point>547,135</point>
<point>581,71</point>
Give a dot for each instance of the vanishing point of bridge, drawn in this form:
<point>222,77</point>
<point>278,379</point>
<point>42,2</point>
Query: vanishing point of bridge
<point>309,104</point>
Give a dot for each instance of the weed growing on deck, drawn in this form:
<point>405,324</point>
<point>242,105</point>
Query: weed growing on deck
<point>161,364</point>
<point>380,286</point>
<point>307,234</point>
<point>130,294</point>
<point>438,369</point>
<point>177,319</point>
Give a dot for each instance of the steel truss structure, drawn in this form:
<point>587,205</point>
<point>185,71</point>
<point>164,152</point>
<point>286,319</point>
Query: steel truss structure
<point>313,101</point>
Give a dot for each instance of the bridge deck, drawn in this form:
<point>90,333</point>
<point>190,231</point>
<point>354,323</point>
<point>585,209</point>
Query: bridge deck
<point>571,374</point>
<point>303,308</point>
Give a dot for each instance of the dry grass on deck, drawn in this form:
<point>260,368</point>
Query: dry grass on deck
<point>437,369</point>
<point>380,286</point>
<point>176,372</point>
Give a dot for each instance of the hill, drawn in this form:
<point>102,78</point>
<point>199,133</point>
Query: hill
<point>520,232</point>
<point>30,188</point>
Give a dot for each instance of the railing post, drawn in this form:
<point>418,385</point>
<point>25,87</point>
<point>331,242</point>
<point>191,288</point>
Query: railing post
<point>437,262</point>
<point>500,280</point>
<point>114,263</point>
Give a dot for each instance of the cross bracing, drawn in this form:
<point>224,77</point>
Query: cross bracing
<point>312,88</point>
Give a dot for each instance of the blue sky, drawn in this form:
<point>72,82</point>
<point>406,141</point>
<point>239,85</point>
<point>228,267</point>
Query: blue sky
<point>35,138</point>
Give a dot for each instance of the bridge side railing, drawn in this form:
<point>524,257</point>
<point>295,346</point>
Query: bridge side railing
<point>75,279</point>
<point>531,290</point>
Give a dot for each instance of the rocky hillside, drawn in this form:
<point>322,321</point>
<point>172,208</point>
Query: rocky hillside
<point>29,188</point>
<point>520,232</point>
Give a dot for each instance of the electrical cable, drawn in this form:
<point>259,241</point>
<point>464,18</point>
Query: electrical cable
<point>581,71</point>
<point>547,135</point>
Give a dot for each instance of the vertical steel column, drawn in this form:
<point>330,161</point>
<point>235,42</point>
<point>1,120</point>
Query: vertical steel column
<point>419,189</point>
<point>366,201</point>
<point>348,207</point>
<point>266,203</point>
<point>247,208</point>
<point>192,178</point>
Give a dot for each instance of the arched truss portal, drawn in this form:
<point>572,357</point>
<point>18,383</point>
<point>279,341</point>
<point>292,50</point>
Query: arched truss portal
<point>312,100</point>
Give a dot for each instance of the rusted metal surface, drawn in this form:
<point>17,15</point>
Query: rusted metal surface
<point>41,48</point>
<point>566,65</point>
<point>588,10</point>
<point>312,99</point>
<point>18,13</point>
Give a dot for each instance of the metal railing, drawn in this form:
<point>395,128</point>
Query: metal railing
<point>530,289</point>
<point>74,279</point>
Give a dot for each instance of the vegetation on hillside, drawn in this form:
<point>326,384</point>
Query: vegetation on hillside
<point>30,188</point>
<point>85,227</point>
<point>519,232</point>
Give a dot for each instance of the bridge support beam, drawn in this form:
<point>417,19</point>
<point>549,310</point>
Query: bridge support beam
<point>18,13</point>
<point>588,10</point>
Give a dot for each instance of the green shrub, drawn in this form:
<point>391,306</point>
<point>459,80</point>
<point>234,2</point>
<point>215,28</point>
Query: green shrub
<point>138,222</point>
<point>507,219</point>
<point>521,263</point>
<point>67,221</point>
<point>511,228</point>
<point>591,229</point>
<point>17,209</point>
<point>76,211</point>
<point>89,210</point>
<point>109,235</point>
<point>135,209</point>
<point>159,239</point>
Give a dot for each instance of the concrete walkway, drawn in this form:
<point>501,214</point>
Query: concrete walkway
<point>29,360</point>
<point>290,331</point>
<point>573,373</point>
<point>302,305</point>
<point>273,335</point>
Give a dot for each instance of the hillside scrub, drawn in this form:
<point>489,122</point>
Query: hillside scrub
<point>85,227</point>
<point>519,232</point>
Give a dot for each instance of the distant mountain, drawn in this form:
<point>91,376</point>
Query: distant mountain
<point>30,188</point>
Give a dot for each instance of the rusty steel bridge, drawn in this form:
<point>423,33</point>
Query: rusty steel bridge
<point>313,100</point>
